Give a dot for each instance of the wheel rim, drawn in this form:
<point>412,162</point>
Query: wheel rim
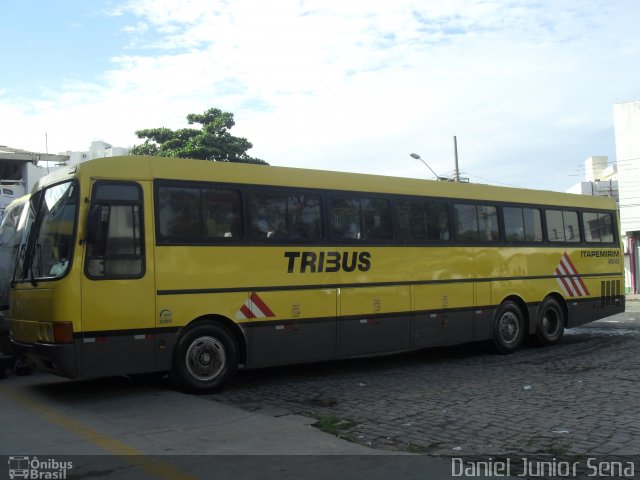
<point>206,358</point>
<point>509,327</point>
<point>550,322</point>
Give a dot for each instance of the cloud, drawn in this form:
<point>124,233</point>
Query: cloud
<point>139,28</point>
<point>526,86</point>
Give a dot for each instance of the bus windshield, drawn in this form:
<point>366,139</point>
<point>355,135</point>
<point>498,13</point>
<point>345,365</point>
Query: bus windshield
<point>50,237</point>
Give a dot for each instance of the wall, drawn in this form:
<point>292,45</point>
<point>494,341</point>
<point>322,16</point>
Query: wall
<point>626,118</point>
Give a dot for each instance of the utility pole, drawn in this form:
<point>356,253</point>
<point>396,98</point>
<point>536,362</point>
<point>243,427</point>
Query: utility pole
<point>456,176</point>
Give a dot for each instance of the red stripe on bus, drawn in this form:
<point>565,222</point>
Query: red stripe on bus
<point>257,301</point>
<point>584,287</point>
<point>569,289</point>
<point>246,312</point>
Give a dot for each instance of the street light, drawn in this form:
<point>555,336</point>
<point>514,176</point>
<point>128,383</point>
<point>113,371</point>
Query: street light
<point>417,157</point>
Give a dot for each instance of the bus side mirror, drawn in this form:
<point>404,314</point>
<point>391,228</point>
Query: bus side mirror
<point>94,224</point>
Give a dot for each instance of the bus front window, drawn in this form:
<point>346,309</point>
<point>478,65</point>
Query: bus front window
<point>49,253</point>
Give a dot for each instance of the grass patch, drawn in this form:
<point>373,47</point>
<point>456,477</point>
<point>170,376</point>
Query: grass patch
<point>335,426</point>
<point>413,448</point>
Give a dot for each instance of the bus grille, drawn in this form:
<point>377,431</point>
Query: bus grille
<point>609,292</point>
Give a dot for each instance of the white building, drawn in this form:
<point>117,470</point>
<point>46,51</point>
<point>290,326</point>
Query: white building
<point>98,149</point>
<point>626,118</point>
<point>20,170</point>
<point>601,178</point>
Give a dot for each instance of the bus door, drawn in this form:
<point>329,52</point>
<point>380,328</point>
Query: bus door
<point>118,287</point>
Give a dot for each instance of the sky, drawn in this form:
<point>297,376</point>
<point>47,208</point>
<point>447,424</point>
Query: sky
<point>527,87</point>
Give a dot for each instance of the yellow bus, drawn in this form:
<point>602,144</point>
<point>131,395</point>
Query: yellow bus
<point>145,264</point>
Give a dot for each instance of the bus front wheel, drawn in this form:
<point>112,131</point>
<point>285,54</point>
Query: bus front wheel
<point>204,358</point>
<point>508,328</point>
<point>551,322</point>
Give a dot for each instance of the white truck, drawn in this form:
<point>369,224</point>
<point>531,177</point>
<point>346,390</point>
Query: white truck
<point>12,236</point>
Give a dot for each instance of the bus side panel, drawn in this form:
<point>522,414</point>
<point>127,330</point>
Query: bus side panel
<point>177,310</point>
<point>116,353</point>
<point>606,300</point>
<point>374,319</point>
<point>443,314</point>
<point>292,326</point>
<point>531,291</point>
<point>599,296</point>
<point>484,311</point>
<point>167,339</point>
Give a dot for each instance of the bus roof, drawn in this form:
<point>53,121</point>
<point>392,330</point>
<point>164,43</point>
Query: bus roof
<point>149,168</point>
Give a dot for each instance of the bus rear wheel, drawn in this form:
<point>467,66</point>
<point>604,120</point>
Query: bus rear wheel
<point>205,357</point>
<point>508,328</point>
<point>551,322</point>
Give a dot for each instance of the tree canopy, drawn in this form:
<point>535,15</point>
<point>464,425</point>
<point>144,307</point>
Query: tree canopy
<point>212,141</point>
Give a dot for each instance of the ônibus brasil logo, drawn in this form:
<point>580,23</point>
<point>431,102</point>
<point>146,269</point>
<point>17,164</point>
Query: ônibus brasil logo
<point>22,466</point>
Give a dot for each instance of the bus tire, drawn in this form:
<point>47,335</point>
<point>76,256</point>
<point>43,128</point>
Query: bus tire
<point>551,322</point>
<point>205,357</point>
<point>508,328</point>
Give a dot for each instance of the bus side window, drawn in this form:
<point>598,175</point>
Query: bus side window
<point>345,218</point>
<point>522,224</point>
<point>360,218</point>
<point>114,236</point>
<point>420,220</point>
<point>562,226</point>
<point>598,227</point>
<point>475,223</point>
<point>288,216</point>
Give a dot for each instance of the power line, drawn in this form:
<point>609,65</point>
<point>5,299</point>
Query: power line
<point>493,181</point>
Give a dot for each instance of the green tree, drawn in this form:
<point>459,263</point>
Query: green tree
<point>212,141</point>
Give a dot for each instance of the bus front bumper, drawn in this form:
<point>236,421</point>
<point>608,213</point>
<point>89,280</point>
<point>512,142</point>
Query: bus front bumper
<point>59,359</point>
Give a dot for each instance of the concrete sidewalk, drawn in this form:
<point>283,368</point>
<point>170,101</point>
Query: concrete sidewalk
<point>50,415</point>
<point>119,428</point>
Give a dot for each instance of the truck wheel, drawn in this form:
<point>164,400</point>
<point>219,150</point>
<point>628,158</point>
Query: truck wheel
<point>204,358</point>
<point>508,328</point>
<point>551,322</point>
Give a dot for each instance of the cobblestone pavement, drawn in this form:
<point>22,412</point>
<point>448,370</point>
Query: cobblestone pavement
<point>579,397</point>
